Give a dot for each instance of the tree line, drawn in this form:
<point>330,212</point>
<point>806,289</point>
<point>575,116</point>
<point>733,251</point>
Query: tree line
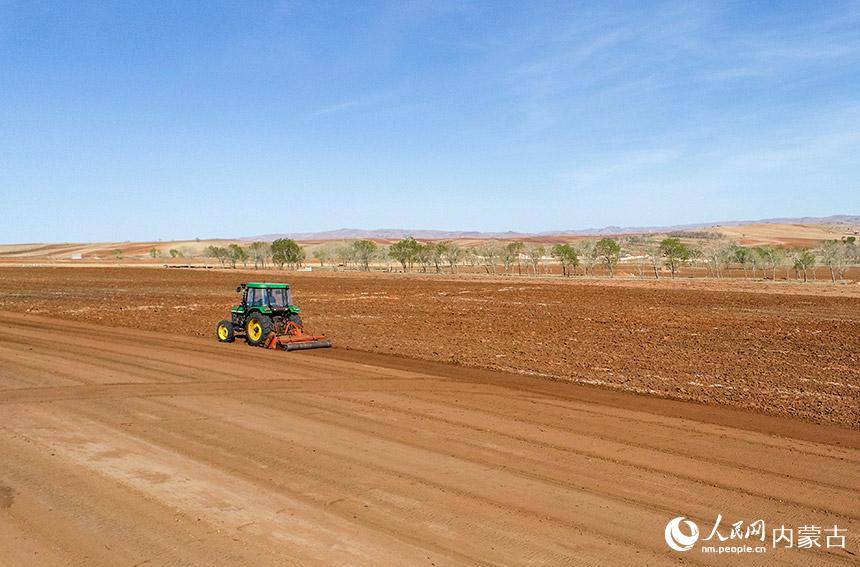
<point>649,257</point>
<point>280,253</point>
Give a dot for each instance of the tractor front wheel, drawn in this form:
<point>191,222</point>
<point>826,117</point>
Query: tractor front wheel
<point>257,329</point>
<point>224,332</point>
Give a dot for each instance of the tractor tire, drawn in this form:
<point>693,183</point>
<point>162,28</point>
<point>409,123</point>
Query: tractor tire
<point>295,318</point>
<point>224,332</point>
<point>257,329</point>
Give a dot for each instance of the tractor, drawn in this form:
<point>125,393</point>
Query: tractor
<point>268,318</point>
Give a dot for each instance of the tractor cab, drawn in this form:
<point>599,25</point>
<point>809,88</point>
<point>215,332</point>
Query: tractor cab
<point>266,298</point>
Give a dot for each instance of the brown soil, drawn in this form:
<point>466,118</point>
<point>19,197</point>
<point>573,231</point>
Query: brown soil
<point>128,447</point>
<point>782,349</point>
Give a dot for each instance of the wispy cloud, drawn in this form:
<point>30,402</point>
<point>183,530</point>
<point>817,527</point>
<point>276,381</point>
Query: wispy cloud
<point>598,169</point>
<point>669,47</point>
<point>364,102</point>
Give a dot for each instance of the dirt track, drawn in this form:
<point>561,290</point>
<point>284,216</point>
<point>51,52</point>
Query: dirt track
<point>124,447</point>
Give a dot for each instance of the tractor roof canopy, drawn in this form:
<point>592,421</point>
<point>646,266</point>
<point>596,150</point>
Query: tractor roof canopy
<point>268,285</point>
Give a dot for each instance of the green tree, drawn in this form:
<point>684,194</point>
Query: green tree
<point>609,252</point>
<point>742,256</point>
<point>237,254</point>
<point>568,256</point>
<point>323,254</point>
<point>287,251</point>
<point>405,251</point>
<point>364,251</point>
<point>218,253</point>
<point>803,261</point>
<point>424,255</point>
<point>675,252</point>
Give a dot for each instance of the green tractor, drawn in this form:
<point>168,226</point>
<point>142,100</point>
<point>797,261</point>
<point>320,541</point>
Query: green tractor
<point>268,318</point>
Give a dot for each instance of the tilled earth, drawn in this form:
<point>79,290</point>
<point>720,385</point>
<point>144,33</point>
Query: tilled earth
<point>129,447</point>
<point>782,349</point>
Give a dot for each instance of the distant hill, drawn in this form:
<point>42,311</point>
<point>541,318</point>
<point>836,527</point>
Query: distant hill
<point>398,233</point>
<point>805,232</point>
<point>388,233</point>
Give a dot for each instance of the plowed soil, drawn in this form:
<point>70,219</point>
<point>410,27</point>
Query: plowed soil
<point>128,447</point>
<point>781,349</point>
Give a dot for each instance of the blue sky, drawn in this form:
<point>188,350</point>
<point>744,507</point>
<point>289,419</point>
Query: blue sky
<point>139,121</point>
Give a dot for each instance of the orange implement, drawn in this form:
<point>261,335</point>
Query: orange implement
<point>295,338</point>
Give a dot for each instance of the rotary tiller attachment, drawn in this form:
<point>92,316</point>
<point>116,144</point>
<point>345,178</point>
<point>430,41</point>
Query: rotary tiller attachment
<point>295,338</point>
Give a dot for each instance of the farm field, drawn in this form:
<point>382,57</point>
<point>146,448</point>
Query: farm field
<point>123,446</point>
<point>779,349</point>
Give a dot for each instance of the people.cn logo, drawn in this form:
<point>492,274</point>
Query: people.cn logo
<point>677,539</point>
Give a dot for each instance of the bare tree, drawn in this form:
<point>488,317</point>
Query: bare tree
<point>437,253</point>
<point>834,257</point>
<point>536,254</point>
<point>260,252</point>
<point>507,256</point>
<point>772,257</point>
<point>382,256</point>
<point>588,255</point>
<point>489,257</point>
<point>513,251</point>
<point>453,255</point>
<point>472,257</point>
<point>655,257</point>
<point>345,254</point>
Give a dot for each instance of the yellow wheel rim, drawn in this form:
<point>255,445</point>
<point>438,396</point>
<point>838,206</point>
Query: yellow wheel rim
<point>255,330</point>
<point>223,332</point>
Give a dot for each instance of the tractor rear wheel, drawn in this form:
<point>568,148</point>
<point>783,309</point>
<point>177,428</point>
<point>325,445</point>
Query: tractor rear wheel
<point>224,332</point>
<point>295,318</point>
<point>257,329</point>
